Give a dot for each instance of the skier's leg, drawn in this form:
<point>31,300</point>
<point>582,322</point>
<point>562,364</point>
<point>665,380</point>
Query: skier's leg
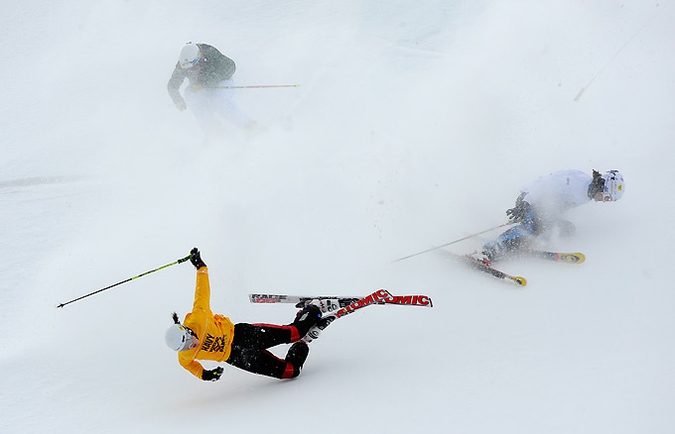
<point>306,319</point>
<point>263,362</point>
<point>225,107</point>
<point>249,353</point>
<point>264,336</point>
<point>201,106</point>
<point>513,239</point>
<point>260,362</point>
<point>296,357</point>
<point>269,335</point>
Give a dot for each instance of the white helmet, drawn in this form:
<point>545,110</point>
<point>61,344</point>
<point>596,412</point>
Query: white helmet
<point>189,55</point>
<point>614,186</point>
<point>180,338</point>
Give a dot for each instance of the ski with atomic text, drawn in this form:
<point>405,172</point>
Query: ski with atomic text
<point>381,296</point>
<point>345,305</point>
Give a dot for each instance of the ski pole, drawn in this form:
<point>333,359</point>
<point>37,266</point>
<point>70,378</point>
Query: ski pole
<point>453,242</point>
<point>259,86</point>
<point>180,261</point>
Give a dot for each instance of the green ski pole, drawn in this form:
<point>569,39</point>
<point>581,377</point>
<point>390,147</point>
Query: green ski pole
<point>180,261</point>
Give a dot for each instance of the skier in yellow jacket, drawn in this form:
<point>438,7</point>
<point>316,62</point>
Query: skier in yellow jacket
<point>205,336</point>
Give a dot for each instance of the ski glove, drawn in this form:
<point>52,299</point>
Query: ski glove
<point>518,213</point>
<point>212,374</point>
<point>196,258</point>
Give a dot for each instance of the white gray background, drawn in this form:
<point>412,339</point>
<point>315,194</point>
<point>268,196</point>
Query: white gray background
<point>414,124</point>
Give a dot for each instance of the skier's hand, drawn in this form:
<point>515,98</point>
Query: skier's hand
<point>518,213</point>
<point>196,258</point>
<point>180,105</point>
<point>212,374</point>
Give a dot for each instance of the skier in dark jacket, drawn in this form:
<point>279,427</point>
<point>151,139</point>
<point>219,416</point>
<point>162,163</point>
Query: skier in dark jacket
<point>210,87</point>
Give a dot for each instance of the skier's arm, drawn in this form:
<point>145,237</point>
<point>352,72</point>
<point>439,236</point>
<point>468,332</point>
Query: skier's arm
<point>217,67</point>
<point>202,291</point>
<point>226,66</point>
<point>518,213</point>
<point>174,84</point>
<point>196,369</point>
<point>193,366</point>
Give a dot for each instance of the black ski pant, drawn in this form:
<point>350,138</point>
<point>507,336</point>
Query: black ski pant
<point>251,343</point>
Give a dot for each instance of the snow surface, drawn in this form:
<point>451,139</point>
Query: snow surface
<point>415,124</point>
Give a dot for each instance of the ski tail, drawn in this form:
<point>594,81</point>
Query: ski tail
<point>568,258</point>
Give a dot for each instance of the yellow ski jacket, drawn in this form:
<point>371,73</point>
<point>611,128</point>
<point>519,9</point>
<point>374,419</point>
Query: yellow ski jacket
<point>215,332</point>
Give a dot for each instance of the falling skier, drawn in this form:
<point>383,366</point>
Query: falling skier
<point>205,336</point>
<point>541,204</point>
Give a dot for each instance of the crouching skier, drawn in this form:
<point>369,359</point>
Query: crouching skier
<point>205,336</point>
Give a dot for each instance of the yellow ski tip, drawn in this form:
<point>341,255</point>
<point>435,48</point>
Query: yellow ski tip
<point>519,280</point>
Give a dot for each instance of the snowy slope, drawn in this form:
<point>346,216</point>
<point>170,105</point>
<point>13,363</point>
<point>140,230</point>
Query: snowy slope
<point>414,124</point>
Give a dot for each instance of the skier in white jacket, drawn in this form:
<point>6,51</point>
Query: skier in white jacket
<point>542,203</point>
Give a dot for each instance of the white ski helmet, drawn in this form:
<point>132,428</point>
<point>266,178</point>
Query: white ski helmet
<point>180,338</point>
<point>189,55</point>
<point>614,186</point>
